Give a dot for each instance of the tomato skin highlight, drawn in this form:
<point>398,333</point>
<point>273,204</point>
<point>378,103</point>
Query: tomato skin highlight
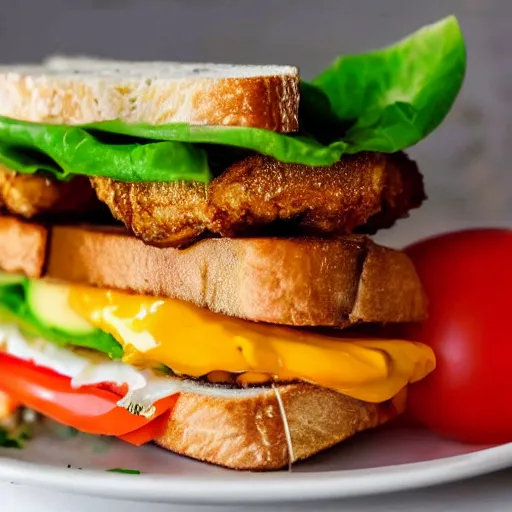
<point>467,276</point>
<point>89,409</point>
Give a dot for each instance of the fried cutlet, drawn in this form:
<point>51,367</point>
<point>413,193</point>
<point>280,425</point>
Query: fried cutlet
<point>33,195</point>
<point>261,196</point>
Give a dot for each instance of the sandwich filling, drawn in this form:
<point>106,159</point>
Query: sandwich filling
<point>153,348</point>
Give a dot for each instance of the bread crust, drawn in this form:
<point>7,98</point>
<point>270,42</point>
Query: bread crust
<point>248,433</point>
<point>270,102</point>
<point>298,281</point>
<point>22,246</point>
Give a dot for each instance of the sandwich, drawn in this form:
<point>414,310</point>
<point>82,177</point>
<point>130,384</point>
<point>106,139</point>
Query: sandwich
<point>185,253</point>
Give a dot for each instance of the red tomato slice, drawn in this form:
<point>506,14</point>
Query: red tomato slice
<point>88,408</point>
<point>148,432</point>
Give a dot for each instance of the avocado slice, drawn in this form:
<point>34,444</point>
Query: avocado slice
<point>48,303</point>
<point>14,308</point>
<point>7,279</point>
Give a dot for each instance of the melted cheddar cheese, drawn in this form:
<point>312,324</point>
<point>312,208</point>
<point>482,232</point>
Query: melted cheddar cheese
<point>195,342</point>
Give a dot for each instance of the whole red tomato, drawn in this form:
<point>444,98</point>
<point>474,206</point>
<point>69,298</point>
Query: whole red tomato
<point>468,279</point>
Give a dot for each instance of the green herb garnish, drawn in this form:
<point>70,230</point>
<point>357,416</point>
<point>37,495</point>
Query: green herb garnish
<point>125,471</point>
<point>15,437</point>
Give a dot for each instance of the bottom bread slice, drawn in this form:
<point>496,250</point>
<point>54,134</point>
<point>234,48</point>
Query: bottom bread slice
<point>250,432</point>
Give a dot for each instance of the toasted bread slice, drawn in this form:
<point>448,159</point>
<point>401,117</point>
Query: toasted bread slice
<point>301,281</point>
<point>214,94</point>
<point>22,247</point>
<point>250,433</point>
<point>296,281</point>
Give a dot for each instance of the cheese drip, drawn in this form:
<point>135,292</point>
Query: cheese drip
<point>194,342</point>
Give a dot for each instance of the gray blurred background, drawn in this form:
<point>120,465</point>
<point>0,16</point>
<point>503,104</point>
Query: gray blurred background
<point>465,162</point>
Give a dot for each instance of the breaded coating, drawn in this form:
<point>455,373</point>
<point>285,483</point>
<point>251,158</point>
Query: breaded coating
<point>337,199</point>
<point>32,195</point>
<point>162,214</point>
<point>403,191</point>
<point>261,196</point>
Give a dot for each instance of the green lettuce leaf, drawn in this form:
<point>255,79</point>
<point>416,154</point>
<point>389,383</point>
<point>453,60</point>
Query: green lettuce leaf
<point>396,96</point>
<point>67,150</point>
<point>387,100</point>
<point>13,308</point>
<point>285,148</point>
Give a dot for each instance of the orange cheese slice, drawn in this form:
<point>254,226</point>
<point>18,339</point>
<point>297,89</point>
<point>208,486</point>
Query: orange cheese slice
<point>194,341</point>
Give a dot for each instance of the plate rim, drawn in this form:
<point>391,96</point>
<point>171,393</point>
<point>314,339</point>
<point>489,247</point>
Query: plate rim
<point>258,488</point>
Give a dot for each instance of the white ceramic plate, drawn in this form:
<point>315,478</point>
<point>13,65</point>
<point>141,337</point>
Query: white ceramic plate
<point>389,459</point>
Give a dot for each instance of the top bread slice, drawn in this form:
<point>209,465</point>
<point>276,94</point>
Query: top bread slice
<point>297,281</point>
<point>155,93</point>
